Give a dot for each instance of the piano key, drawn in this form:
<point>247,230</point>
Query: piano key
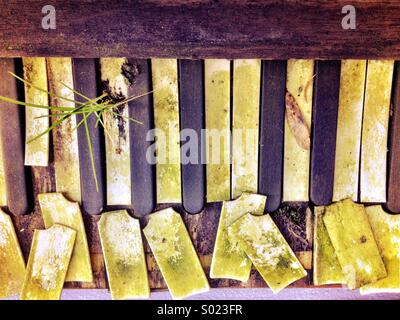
<point>121,241</point>
<point>351,235</point>
<point>296,171</point>
<point>176,257</point>
<point>48,263</point>
<point>246,115</point>
<point>326,267</point>
<point>270,173</point>
<point>93,195</point>
<point>118,168</point>
<point>267,249</point>
<point>375,131</point>
<point>386,230</point>
<point>349,124</point>
<point>191,93</point>
<point>393,200</point>
<point>56,209</point>
<point>36,122</point>
<point>228,260</point>
<point>218,136</point>
<point>65,137</point>
<point>143,172</point>
<point>166,120</point>
<point>325,113</point>
<point>12,271</point>
<point>3,190</point>
<point>17,176</point>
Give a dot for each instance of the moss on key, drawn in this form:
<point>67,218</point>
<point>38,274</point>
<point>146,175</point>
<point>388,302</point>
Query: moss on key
<point>246,109</point>
<point>351,236</point>
<point>122,245</point>
<point>217,105</point>
<point>166,120</point>
<point>36,151</point>
<point>386,230</point>
<point>348,139</point>
<point>261,240</point>
<point>58,210</point>
<point>12,270</point>
<point>326,266</point>
<point>229,260</point>
<point>175,255</point>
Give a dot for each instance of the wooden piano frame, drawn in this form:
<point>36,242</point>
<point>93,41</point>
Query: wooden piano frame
<point>190,29</point>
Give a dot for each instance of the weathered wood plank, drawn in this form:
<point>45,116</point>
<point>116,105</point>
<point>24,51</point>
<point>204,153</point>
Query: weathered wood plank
<point>3,190</point>
<point>234,29</point>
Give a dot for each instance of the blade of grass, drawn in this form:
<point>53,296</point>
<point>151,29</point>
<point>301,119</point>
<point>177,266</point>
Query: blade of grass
<point>31,105</point>
<point>89,142</point>
<point>53,126</point>
<point>43,90</point>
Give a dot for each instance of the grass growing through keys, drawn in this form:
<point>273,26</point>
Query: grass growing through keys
<point>99,106</point>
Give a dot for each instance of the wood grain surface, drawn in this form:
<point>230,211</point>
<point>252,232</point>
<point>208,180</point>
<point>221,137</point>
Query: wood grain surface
<point>201,29</point>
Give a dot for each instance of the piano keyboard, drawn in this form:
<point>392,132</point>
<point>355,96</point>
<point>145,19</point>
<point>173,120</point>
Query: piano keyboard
<point>338,139</point>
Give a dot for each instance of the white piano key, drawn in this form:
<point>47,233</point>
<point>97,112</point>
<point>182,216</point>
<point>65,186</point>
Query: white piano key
<point>375,130</point>
<point>246,115</point>
<point>296,172</point>
<point>118,168</point>
<point>65,137</point>
<point>36,151</point>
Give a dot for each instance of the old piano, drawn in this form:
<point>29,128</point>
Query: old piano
<point>191,66</point>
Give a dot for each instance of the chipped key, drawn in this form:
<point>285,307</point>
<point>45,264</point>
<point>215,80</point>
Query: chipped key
<point>351,236</point>
<point>57,209</point>
<point>121,240</point>
<point>48,263</point>
<point>229,261</point>
<point>175,255</point>
<point>326,266</point>
<point>12,264</point>
<point>386,229</point>
<point>261,240</point>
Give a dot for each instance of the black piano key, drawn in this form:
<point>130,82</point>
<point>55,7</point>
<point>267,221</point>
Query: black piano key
<point>324,124</point>
<point>142,173</point>
<point>192,116</point>
<point>393,197</point>
<point>85,81</point>
<point>18,178</point>
<point>272,132</point>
